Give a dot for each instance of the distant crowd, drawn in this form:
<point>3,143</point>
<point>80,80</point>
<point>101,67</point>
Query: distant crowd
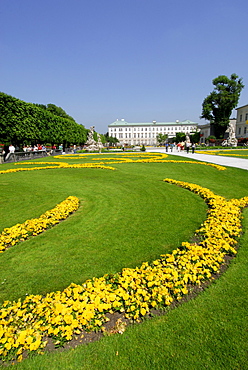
<point>11,149</point>
<point>180,146</point>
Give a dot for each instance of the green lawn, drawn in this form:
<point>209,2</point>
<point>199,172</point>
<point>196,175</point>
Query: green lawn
<point>126,217</point>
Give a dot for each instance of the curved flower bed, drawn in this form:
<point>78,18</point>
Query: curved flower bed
<point>57,165</point>
<point>104,162</point>
<point>24,325</point>
<point>12,235</point>
<point>224,152</point>
<point>142,158</point>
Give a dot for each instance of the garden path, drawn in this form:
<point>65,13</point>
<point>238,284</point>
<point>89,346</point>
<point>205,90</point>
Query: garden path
<point>221,160</point>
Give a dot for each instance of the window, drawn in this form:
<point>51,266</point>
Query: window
<point>120,136</point>
<point>120,129</point>
<point>240,118</point>
<point>244,130</point>
<point>239,130</point>
<point>134,135</point>
<point>246,116</point>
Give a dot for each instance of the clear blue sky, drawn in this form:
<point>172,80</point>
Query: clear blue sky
<point>141,60</point>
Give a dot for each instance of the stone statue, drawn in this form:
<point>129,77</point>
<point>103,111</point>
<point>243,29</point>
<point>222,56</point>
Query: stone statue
<point>187,140</point>
<point>91,144</point>
<point>231,140</point>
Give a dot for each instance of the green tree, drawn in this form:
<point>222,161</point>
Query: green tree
<point>161,139</point>
<point>180,136</point>
<point>103,138</point>
<point>57,111</point>
<point>218,105</point>
<point>195,137</point>
<point>110,139</point>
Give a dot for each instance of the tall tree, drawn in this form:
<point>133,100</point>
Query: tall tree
<point>218,105</point>
<point>161,139</point>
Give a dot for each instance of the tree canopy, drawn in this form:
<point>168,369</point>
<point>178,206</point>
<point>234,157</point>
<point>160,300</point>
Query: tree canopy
<point>161,139</point>
<point>28,123</point>
<point>218,105</point>
<point>110,139</point>
<point>57,111</point>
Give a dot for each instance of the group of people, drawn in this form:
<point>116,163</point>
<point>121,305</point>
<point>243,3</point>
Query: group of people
<point>34,148</point>
<point>171,146</point>
<point>180,146</point>
<point>11,149</point>
<point>188,145</point>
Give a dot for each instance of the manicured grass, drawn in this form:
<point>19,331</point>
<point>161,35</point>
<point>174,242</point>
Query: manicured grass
<point>209,332</point>
<point>126,217</point>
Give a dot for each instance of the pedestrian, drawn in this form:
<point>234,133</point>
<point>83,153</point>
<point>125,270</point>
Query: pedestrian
<point>187,146</point>
<point>166,147</point>
<point>11,151</point>
<point>193,148</point>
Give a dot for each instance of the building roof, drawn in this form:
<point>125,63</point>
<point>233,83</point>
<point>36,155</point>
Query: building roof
<point>122,122</point>
<point>243,106</point>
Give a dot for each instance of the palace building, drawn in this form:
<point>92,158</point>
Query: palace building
<point>146,133</point>
<point>242,122</point>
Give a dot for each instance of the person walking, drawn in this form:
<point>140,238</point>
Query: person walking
<point>193,148</point>
<point>11,151</point>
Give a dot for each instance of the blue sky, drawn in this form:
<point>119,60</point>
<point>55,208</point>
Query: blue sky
<point>141,60</point>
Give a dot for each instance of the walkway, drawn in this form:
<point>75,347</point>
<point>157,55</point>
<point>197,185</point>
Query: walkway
<point>221,160</point>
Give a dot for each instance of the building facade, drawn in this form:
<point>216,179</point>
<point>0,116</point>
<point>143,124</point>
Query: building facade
<point>242,122</point>
<point>204,132</point>
<point>146,133</point>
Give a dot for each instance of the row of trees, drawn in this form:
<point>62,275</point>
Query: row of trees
<point>27,123</point>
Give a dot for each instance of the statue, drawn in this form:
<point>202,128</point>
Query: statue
<point>231,140</point>
<point>91,144</point>
<point>187,140</point>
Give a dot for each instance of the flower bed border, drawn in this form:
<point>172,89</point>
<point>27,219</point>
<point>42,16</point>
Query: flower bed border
<point>133,292</point>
